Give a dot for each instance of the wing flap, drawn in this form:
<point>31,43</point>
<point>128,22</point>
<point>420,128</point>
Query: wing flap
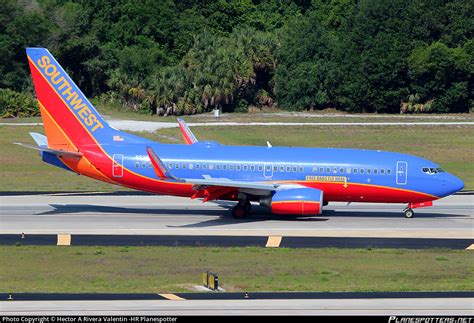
<point>224,182</point>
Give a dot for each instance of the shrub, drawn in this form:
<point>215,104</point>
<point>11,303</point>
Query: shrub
<point>15,104</point>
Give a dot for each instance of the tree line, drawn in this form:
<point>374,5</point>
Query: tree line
<point>191,56</point>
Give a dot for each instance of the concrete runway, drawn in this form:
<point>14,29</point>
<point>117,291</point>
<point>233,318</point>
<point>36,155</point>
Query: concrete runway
<point>380,306</point>
<point>451,217</point>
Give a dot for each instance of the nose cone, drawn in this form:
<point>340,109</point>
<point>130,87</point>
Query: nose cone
<point>453,184</point>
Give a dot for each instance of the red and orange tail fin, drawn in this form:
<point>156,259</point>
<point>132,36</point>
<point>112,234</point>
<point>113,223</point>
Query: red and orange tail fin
<point>70,120</point>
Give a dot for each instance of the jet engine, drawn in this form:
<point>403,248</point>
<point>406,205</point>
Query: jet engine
<point>297,201</point>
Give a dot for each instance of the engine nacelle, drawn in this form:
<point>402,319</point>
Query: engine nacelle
<point>298,201</point>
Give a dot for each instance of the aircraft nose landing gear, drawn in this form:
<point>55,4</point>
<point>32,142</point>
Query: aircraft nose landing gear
<point>408,213</point>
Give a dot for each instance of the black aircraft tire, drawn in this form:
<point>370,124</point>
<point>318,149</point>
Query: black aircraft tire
<point>239,212</point>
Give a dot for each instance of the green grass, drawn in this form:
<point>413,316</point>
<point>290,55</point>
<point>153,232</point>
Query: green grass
<point>21,120</point>
<point>178,269</point>
<point>22,169</point>
<point>450,146</point>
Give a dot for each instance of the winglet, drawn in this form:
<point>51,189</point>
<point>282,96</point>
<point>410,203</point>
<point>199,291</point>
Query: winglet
<point>159,167</point>
<point>188,135</point>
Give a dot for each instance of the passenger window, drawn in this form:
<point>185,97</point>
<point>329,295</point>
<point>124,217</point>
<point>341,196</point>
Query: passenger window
<point>288,168</point>
<point>137,164</point>
<point>211,167</point>
<point>334,170</point>
<point>224,167</point>
<point>348,170</point>
<point>275,168</point>
<point>184,166</point>
<point>389,171</point>
<point>328,170</point>
<point>260,168</point>
<point>149,165</point>
<point>252,168</point>
<point>197,166</point>
<point>231,167</point>
<point>301,169</point>
<point>143,165</point>
<point>294,169</point>
<point>368,170</point>
<point>362,171</point>
<point>170,166</point>
<point>218,167</point>
<point>375,171</point>
<point>204,166</point>
<point>268,167</point>
<point>382,172</point>
<point>321,169</point>
<point>176,166</point>
<point>191,166</point>
<point>282,168</point>
<point>246,168</point>
<point>238,167</point>
<point>341,170</point>
<point>355,170</point>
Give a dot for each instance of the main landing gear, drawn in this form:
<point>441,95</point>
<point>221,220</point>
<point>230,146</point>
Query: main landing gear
<point>242,209</point>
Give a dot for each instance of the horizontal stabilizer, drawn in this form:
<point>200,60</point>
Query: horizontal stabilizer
<point>41,140</point>
<point>52,151</point>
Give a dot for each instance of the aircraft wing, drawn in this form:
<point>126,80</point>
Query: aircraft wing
<point>188,135</point>
<point>209,188</point>
<point>224,182</point>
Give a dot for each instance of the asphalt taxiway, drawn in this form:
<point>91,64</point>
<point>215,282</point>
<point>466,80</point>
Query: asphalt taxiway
<point>377,306</point>
<point>124,214</point>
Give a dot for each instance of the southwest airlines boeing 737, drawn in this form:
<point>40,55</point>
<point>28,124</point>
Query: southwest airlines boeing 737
<point>287,180</point>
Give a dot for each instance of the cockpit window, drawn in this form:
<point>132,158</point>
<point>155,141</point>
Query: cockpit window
<point>432,170</point>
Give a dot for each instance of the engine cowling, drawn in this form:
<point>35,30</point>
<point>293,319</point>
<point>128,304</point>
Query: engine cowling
<point>298,201</point>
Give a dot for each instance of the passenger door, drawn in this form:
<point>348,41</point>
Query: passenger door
<point>402,173</point>
<point>268,170</point>
<point>117,166</point>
